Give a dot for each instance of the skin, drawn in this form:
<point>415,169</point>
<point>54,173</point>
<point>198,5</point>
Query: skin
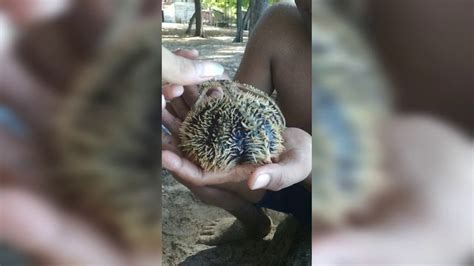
<point>265,65</point>
<point>182,71</point>
<point>431,163</point>
<point>16,193</point>
<point>35,96</point>
<point>426,47</point>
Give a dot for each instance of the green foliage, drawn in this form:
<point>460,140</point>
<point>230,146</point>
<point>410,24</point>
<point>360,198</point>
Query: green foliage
<point>223,4</point>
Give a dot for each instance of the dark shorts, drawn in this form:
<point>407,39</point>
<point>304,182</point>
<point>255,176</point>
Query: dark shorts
<point>295,200</point>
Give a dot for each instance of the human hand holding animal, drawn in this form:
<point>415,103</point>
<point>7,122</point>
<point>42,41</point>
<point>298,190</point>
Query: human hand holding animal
<point>293,165</point>
<point>32,222</point>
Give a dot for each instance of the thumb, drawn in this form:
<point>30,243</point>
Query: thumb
<point>276,176</point>
<point>267,177</point>
<point>27,12</point>
<point>183,71</point>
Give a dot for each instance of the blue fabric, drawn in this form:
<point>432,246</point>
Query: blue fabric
<point>295,200</point>
<point>9,120</point>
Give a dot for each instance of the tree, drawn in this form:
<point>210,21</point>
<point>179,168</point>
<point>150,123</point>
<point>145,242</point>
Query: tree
<point>190,25</point>
<point>247,16</point>
<point>239,36</point>
<point>257,8</point>
<point>198,18</point>
<point>197,11</point>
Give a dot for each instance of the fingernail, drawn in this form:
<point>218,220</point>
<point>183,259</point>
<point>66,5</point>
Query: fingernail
<point>261,182</point>
<point>177,91</point>
<point>195,52</point>
<point>210,69</point>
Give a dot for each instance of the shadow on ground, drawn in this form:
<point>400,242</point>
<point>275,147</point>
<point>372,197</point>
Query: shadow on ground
<point>290,245</point>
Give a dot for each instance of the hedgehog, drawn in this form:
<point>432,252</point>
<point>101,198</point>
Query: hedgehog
<point>106,140</point>
<point>350,100</point>
<point>241,125</point>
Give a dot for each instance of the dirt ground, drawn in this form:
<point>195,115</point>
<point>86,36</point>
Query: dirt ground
<point>184,215</point>
<point>217,45</point>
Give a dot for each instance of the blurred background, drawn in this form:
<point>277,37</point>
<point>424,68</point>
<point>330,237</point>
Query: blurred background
<point>393,159</point>
<point>46,46</point>
<point>393,175</point>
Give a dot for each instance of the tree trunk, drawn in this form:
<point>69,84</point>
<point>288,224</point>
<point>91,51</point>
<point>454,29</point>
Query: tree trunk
<point>245,24</point>
<point>258,6</point>
<point>190,24</point>
<point>199,29</point>
<point>239,36</point>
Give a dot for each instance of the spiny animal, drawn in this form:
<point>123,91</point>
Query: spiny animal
<point>242,125</point>
<point>350,100</point>
<point>108,160</point>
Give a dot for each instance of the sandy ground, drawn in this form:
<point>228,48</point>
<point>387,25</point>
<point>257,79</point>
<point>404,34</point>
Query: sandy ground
<point>184,215</point>
<point>217,45</point>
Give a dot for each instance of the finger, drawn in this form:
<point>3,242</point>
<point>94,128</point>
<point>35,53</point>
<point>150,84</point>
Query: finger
<point>172,91</point>
<point>190,54</point>
<point>49,236</point>
<point>276,176</point>
<point>26,12</point>
<point>169,143</point>
<point>180,108</point>
<point>8,33</point>
<point>33,103</point>
<point>170,110</point>
<point>342,245</point>
<point>19,164</point>
<point>183,71</point>
<point>187,172</point>
<point>163,102</point>
<point>182,169</point>
<point>236,174</point>
<point>171,122</point>
<point>293,165</point>
<point>267,176</point>
<point>225,76</point>
<point>190,95</point>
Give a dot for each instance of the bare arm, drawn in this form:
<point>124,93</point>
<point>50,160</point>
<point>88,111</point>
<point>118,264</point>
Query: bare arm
<point>256,65</point>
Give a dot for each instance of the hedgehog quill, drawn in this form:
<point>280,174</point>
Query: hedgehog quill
<point>242,125</point>
<point>107,166</point>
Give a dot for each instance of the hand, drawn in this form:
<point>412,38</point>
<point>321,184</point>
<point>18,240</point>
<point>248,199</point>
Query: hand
<point>49,228</point>
<point>34,225</point>
<point>176,112</point>
<point>292,166</point>
<point>430,164</point>
<point>181,68</point>
<point>25,13</point>
<point>172,159</point>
